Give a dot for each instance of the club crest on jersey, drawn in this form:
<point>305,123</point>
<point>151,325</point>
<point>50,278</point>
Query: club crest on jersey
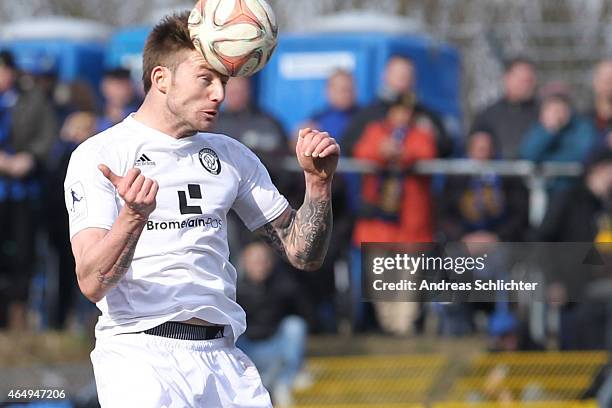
<point>210,161</point>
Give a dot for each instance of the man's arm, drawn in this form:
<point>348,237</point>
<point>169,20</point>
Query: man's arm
<point>103,257</point>
<point>302,236</point>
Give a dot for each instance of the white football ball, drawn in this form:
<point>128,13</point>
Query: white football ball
<point>237,37</point>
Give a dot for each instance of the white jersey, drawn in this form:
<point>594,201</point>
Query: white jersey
<point>180,269</point>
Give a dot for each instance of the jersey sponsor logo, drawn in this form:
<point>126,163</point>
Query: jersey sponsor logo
<point>76,203</point>
<point>195,193</point>
<point>144,160</point>
<point>206,222</point>
<point>210,161</point>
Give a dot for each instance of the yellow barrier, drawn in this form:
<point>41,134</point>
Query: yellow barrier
<point>407,381</point>
<point>559,376</point>
<point>539,404</point>
<point>397,381</point>
<point>364,406</point>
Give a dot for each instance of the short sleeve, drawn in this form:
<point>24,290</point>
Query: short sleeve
<point>90,197</point>
<point>258,201</point>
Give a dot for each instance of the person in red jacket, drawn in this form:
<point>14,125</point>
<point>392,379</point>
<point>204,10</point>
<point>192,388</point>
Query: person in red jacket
<point>395,208</point>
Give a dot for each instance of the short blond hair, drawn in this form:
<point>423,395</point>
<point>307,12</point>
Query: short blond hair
<point>165,46</point>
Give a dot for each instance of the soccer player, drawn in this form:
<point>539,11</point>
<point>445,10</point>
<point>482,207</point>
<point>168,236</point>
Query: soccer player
<point>150,243</point>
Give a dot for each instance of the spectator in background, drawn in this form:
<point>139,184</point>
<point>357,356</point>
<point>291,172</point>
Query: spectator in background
<point>334,119</point>
<point>559,135</point>
<point>395,207</point>
<point>583,214</point>
<point>77,128</point>
<point>28,127</point>
<point>342,105</point>
<point>40,72</point>
<point>482,209</point>
<point>515,112</point>
<point>485,207</point>
<point>275,337</point>
<point>399,78</point>
<point>75,96</point>
<point>119,97</point>
<point>601,112</point>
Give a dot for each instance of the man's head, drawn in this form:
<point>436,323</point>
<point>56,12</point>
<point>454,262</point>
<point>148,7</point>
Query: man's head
<point>399,74</point>
<point>257,262</point>
<point>520,80</point>
<point>117,87</point>
<point>8,70</point>
<point>238,94</point>
<point>481,145</point>
<point>556,110</point>
<point>602,79</point>
<point>341,90</point>
<point>178,80</point>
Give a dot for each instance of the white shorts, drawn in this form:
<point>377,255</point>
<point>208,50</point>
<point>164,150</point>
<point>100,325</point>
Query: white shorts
<point>145,371</point>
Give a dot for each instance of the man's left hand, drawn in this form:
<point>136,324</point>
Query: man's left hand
<point>318,153</point>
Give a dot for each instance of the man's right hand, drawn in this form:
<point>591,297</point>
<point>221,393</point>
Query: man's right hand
<point>136,190</point>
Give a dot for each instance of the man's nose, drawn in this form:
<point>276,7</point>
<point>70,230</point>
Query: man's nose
<point>217,92</point>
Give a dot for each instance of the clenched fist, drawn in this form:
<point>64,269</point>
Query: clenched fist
<point>318,153</point>
<point>136,190</point>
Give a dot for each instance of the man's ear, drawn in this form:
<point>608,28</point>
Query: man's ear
<point>160,79</point>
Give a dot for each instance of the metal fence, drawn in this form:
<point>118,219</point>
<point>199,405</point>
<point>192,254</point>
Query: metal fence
<point>535,175</point>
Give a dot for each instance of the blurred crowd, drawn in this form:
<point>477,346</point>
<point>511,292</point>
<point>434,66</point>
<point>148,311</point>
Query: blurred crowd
<point>42,122</point>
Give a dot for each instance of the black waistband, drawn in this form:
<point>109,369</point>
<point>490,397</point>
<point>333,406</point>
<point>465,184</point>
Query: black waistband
<point>186,331</point>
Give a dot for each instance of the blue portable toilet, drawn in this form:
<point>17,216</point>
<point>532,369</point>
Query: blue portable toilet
<point>126,45</point>
<point>125,50</point>
<point>293,84</point>
<point>70,48</point>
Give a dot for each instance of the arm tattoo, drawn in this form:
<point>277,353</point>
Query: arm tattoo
<point>272,237</point>
<point>122,265</point>
<point>311,233</point>
<point>302,237</point>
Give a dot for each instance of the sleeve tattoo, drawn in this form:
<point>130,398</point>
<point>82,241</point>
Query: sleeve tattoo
<point>302,237</point>
<point>122,265</point>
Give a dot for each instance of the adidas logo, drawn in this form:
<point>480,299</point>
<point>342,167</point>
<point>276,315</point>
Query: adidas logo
<point>144,160</point>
